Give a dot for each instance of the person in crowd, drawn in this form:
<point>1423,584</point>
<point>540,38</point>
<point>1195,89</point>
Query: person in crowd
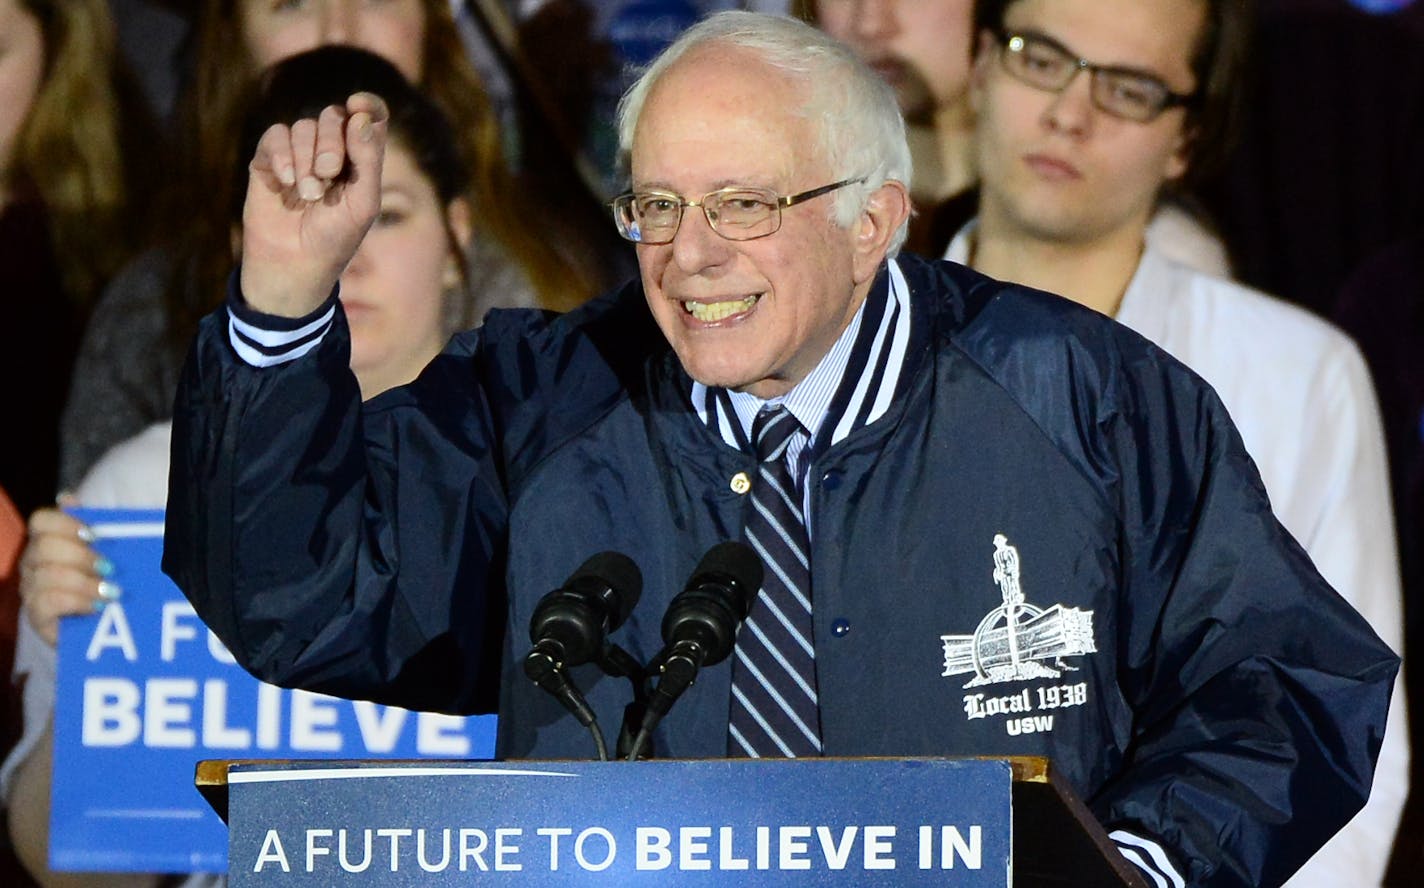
<point>74,137</point>
<point>905,444</point>
<point>922,48</point>
<point>153,39</point>
<point>128,364</point>
<point>404,293</point>
<point>1073,157</point>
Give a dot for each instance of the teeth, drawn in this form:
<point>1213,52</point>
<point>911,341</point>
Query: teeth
<point>716,311</point>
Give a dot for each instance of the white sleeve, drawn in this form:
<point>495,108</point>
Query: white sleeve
<point>35,661</point>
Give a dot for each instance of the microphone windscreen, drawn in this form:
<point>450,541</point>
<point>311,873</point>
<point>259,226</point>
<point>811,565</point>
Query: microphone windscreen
<point>716,600</point>
<point>737,561</point>
<point>621,574</point>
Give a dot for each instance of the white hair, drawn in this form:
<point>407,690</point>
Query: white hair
<point>861,132</point>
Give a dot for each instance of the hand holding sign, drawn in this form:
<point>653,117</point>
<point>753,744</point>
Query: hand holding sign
<point>60,574</point>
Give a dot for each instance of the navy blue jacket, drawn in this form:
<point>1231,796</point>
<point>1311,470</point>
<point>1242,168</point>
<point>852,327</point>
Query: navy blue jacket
<point>1178,657</point>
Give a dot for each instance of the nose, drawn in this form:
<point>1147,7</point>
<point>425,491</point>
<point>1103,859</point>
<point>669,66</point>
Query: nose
<point>338,22</point>
<point>357,267</point>
<point>873,19</point>
<point>696,248</point>
<point>1071,111</point>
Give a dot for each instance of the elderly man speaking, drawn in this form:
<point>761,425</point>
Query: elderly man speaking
<point>990,521</point>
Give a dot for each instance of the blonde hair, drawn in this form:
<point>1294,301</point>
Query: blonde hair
<point>76,149</point>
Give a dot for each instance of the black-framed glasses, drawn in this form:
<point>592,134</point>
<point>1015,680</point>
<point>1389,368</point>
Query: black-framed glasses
<point>1046,64</point>
<point>736,213</point>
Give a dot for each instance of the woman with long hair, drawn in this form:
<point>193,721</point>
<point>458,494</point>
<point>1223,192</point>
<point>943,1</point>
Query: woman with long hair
<point>73,130</point>
<point>404,294</point>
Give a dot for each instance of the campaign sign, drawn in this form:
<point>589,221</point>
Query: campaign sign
<point>144,691</point>
<point>852,822</point>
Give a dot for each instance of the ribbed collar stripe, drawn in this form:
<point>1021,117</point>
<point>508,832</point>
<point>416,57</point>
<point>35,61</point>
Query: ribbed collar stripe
<point>875,384</point>
<point>853,386</point>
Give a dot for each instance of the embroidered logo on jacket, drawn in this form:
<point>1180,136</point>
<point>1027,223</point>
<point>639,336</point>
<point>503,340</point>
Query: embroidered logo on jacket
<point>1017,641</point>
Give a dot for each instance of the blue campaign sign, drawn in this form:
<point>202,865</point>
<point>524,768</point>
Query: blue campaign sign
<point>824,822</point>
<point>144,692</point>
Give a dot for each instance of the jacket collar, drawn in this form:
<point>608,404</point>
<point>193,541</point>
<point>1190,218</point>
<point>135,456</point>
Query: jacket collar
<point>854,385</point>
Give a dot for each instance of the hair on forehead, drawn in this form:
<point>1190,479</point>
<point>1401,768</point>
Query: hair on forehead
<point>859,130</point>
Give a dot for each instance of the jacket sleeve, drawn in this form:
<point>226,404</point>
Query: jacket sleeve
<point>348,550</point>
<point>1351,540</point>
<point>1259,695</point>
<point>359,549</point>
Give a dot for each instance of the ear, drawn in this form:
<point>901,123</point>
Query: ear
<point>979,73</point>
<point>1180,160</point>
<point>458,223</point>
<point>885,211</point>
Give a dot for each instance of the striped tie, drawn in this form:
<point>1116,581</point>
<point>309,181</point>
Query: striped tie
<point>774,710</point>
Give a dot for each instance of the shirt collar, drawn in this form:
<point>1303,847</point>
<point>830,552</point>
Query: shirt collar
<point>809,400</point>
<point>962,245</point>
<point>1141,308</point>
<point>853,385</point>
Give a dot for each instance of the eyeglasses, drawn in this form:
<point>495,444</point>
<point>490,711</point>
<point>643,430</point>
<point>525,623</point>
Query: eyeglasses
<point>1046,64</point>
<point>739,214</point>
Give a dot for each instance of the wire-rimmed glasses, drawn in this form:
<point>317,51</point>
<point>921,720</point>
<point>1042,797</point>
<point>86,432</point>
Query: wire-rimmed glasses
<point>736,213</point>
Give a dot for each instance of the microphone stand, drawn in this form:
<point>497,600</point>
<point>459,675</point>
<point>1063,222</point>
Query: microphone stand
<point>569,628</point>
<point>618,663</point>
<point>615,662</point>
<point>678,668</point>
<point>548,673</point>
<point>699,629</point>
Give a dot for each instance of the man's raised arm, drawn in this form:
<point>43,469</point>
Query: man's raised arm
<point>284,490</point>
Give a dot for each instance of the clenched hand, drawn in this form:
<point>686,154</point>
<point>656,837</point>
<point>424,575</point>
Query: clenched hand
<point>313,190</point>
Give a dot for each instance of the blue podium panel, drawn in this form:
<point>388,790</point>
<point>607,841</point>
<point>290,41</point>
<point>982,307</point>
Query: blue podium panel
<point>852,822</point>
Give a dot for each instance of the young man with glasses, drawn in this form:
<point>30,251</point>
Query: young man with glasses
<point>923,49</point>
<point>1088,111</point>
<point>992,522</point>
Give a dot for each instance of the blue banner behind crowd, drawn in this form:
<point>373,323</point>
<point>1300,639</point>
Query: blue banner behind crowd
<point>144,692</point>
<point>823,822</point>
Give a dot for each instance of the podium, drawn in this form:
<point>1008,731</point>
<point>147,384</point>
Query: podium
<point>855,822</point>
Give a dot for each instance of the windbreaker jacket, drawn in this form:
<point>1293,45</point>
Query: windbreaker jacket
<point>1176,654</point>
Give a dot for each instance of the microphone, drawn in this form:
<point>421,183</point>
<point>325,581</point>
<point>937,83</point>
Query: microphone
<point>570,623</point>
<point>700,626</point>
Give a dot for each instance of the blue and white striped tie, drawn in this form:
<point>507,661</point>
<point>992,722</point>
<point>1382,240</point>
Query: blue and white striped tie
<point>774,704</point>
